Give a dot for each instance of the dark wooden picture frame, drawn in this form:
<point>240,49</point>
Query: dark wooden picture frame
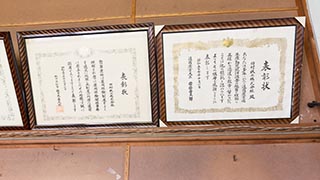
<point>221,26</point>
<point>148,28</point>
<point>17,83</point>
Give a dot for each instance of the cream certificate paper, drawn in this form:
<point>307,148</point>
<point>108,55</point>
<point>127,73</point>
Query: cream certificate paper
<point>90,79</point>
<point>9,111</point>
<point>229,74</point>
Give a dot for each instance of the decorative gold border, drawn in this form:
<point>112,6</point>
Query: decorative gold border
<point>46,117</point>
<point>177,48</point>
<point>9,116</point>
<point>234,25</point>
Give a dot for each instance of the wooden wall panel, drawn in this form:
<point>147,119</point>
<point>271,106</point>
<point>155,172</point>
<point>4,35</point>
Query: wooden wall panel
<point>226,162</point>
<point>175,162</point>
<point>62,163</point>
<point>170,12</point>
<point>307,94</point>
<point>20,12</point>
<point>156,8</point>
<point>183,19</point>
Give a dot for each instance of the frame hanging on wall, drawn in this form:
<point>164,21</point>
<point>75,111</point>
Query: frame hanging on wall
<point>90,76</point>
<point>13,111</point>
<point>242,72</point>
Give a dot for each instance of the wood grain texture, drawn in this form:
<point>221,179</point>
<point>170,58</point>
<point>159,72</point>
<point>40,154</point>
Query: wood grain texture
<point>197,11</point>
<point>307,115</point>
<point>16,82</point>
<point>311,51</point>
<point>62,163</point>
<point>162,134</point>
<point>281,161</point>
<point>226,162</point>
<point>21,36</point>
<point>234,25</point>
<point>20,13</point>
<point>167,8</point>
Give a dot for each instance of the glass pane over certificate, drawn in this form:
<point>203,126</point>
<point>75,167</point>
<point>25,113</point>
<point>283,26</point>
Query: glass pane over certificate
<point>90,79</point>
<point>9,111</point>
<point>242,73</point>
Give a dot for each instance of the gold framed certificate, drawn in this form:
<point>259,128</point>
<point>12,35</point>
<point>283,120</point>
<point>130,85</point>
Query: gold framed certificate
<point>90,76</point>
<point>244,72</point>
<point>13,110</point>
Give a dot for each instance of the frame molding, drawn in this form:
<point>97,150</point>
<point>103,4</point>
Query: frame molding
<point>234,25</point>
<point>5,36</point>
<point>258,134</point>
<point>22,36</point>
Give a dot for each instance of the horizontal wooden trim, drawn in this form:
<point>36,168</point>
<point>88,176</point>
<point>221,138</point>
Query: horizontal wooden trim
<point>236,11</point>
<point>133,16</point>
<point>163,136</point>
<point>65,21</point>
<point>170,141</point>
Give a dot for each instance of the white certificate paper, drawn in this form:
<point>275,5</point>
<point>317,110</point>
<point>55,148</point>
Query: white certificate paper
<point>90,79</point>
<point>229,74</point>
<point>9,111</point>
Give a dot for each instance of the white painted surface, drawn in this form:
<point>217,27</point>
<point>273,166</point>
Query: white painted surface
<point>314,10</point>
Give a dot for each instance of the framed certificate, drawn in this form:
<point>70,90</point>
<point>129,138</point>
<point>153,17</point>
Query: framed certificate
<point>91,76</point>
<point>13,110</point>
<point>245,72</point>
